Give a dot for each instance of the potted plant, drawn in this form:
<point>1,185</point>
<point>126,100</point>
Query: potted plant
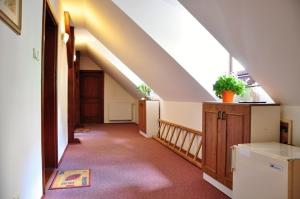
<point>227,86</point>
<point>145,90</point>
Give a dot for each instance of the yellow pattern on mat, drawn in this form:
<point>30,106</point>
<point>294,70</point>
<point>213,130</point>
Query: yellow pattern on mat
<point>71,179</point>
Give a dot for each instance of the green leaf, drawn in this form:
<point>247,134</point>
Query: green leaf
<point>229,82</point>
<point>144,89</point>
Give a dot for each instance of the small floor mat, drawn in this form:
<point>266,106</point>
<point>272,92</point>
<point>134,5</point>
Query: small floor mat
<point>71,179</point>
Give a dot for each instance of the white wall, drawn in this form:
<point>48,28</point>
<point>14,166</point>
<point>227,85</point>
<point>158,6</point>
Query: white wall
<point>20,104</point>
<point>293,113</point>
<point>187,114</point>
<point>87,64</point>
<point>62,81</point>
<point>114,93</point>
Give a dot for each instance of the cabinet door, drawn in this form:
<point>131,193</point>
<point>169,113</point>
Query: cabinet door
<point>142,115</point>
<point>233,129</point>
<point>210,139</point>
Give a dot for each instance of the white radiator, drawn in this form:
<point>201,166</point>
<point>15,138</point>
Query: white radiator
<point>120,111</point>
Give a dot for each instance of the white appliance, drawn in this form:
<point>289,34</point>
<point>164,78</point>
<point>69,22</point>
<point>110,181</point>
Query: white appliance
<point>266,171</point>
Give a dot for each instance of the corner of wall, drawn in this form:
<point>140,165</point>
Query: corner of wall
<point>114,93</point>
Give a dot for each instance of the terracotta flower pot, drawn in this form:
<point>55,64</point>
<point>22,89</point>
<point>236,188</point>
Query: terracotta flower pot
<point>227,96</point>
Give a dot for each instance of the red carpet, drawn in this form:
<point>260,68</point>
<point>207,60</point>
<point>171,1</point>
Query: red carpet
<point>126,165</point>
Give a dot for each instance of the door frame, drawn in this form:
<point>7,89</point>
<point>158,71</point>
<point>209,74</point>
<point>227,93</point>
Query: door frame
<point>71,78</point>
<point>48,9</point>
<point>102,104</point>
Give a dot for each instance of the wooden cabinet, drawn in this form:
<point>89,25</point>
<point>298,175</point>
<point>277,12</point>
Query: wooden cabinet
<point>142,115</point>
<point>225,125</point>
<point>148,117</point>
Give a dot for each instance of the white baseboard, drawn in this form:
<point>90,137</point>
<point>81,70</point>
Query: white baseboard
<point>145,135</point>
<point>218,185</point>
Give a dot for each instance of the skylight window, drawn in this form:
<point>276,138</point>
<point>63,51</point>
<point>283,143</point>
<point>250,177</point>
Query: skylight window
<point>241,73</point>
<point>189,43</point>
<point>254,91</point>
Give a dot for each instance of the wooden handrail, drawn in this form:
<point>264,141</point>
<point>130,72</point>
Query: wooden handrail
<point>181,127</point>
<point>174,136</point>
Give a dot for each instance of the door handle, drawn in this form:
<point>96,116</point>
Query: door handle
<point>223,117</point>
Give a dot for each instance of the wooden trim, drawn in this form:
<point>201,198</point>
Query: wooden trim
<point>63,155</point>
<point>54,172</point>
<point>17,28</point>
<point>47,8</point>
<point>167,133</point>
<point>77,90</point>
<point>181,127</point>
<point>91,71</point>
<point>191,143</point>
<point>71,77</point>
<point>42,94</point>
<point>70,43</point>
<point>163,135</point>
<point>173,132</point>
<point>188,158</point>
<point>50,10</point>
<point>55,18</point>
<point>162,132</point>
<point>243,104</point>
<point>183,141</point>
<point>102,95</point>
<point>142,115</point>
<point>178,135</point>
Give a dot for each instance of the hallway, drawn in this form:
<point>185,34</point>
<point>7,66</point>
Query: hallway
<point>124,164</point>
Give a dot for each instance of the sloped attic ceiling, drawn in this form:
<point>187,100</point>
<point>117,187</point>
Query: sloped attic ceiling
<point>109,68</point>
<point>181,36</point>
<point>114,73</point>
<point>263,35</point>
<point>136,49</point>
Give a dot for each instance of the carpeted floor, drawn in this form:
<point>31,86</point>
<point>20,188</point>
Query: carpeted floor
<point>125,165</point>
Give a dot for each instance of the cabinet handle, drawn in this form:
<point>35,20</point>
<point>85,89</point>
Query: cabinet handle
<point>233,158</point>
<point>223,117</point>
<point>219,115</point>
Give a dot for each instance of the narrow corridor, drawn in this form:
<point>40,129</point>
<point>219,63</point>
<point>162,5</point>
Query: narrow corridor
<point>124,164</point>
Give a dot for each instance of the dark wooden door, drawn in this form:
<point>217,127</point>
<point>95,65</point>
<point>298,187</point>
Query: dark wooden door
<point>233,129</point>
<point>142,115</point>
<point>49,95</point>
<point>210,139</point>
<point>77,89</point>
<point>91,96</point>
